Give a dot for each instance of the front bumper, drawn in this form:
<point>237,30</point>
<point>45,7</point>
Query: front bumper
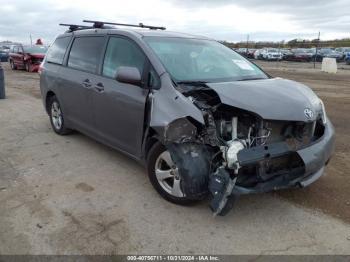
<point>274,58</point>
<point>34,67</point>
<point>314,157</point>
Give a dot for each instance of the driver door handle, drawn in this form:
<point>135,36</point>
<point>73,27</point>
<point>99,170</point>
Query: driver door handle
<point>99,87</point>
<point>86,83</point>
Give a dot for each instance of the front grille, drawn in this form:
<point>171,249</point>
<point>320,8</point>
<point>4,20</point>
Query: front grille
<point>251,175</point>
<point>296,134</point>
<point>37,61</point>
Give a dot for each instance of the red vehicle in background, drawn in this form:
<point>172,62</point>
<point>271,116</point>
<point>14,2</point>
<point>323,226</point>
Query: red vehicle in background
<point>27,57</point>
<point>299,55</point>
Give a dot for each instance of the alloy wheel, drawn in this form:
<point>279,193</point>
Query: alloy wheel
<point>56,115</point>
<point>167,175</point>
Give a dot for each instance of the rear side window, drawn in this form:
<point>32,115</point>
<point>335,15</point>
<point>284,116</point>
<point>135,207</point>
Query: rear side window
<point>122,52</point>
<point>86,53</point>
<point>57,50</point>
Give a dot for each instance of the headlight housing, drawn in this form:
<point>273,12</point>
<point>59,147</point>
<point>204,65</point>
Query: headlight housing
<point>324,116</point>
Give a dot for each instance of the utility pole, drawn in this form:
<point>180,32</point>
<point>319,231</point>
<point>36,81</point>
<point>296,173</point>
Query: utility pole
<point>317,46</point>
<point>246,51</point>
<point>31,41</point>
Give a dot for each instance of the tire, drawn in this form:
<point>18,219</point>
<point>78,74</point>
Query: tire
<point>12,65</point>
<point>27,67</point>
<point>57,117</point>
<point>157,152</point>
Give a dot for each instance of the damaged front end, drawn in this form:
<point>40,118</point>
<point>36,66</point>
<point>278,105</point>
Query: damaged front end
<point>227,151</point>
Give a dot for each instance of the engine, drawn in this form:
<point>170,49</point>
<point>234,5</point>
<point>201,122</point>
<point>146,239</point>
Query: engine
<point>230,132</point>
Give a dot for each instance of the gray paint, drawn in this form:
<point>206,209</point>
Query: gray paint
<point>168,104</point>
<point>117,115</point>
<point>127,74</point>
<point>274,99</point>
<point>2,83</point>
<point>316,155</point>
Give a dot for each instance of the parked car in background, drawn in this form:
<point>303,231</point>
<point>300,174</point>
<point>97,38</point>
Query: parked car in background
<point>347,58</point>
<point>343,51</point>
<point>27,57</point>
<point>257,54</point>
<point>4,54</point>
<point>299,54</point>
<point>271,54</point>
<point>327,52</point>
<point>250,53</point>
<point>285,52</point>
<point>246,52</point>
<point>242,51</point>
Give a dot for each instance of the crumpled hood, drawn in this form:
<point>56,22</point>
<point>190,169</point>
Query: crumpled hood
<point>274,99</point>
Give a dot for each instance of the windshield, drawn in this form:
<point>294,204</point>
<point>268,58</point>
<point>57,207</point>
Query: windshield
<point>202,60</point>
<point>327,51</point>
<point>37,49</point>
<point>300,51</point>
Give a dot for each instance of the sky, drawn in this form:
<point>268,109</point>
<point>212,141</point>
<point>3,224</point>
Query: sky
<point>230,20</point>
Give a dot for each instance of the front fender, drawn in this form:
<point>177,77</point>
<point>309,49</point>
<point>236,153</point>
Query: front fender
<point>167,106</point>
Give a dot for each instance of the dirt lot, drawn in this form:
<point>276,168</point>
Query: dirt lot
<point>72,195</point>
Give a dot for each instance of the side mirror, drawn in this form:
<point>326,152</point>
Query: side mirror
<point>128,75</point>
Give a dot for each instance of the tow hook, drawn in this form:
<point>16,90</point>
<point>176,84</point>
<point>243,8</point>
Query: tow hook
<point>221,186</point>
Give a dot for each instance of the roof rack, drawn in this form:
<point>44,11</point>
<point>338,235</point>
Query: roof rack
<point>99,24</point>
<point>73,27</point>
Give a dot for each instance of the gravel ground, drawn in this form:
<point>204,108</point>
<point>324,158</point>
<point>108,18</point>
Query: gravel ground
<point>72,195</point>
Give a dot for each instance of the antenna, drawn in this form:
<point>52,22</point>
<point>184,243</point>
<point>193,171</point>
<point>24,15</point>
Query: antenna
<point>99,24</point>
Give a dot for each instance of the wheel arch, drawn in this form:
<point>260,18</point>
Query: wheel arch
<point>49,95</point>
<point>151,139</point>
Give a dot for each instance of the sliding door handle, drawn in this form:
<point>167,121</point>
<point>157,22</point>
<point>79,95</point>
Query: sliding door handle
<point>99,87</point>
<point>86,83</point>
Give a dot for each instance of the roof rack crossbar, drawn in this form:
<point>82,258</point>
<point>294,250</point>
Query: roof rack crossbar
<point>99,24</point>
<point>73,27</point>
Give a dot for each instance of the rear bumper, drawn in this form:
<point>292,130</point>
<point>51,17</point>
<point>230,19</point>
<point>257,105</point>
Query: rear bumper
<point>315,157</point>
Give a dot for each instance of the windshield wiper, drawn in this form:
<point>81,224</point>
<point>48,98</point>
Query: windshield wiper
<point>246,79</point>
<point>192,83</point>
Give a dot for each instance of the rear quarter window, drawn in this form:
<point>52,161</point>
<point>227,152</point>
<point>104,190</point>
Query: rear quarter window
<point>57,50</point>
<point>86,53</point>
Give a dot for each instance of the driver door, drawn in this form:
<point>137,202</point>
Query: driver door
<point>119,108</point>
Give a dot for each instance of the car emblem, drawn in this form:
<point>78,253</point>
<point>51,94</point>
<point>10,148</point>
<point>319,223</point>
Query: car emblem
<point>308,113</point>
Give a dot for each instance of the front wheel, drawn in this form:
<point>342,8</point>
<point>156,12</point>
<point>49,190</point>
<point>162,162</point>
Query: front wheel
<point>57,117</point>
<point>164,175</point>
<point>28,67</point>
<point>12,65</point>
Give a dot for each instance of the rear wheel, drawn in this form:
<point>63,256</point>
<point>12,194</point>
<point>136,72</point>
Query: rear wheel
<point>57,117</point>
<point>164,176</point>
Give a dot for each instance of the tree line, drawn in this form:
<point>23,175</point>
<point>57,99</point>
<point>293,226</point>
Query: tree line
<point>295,43</point>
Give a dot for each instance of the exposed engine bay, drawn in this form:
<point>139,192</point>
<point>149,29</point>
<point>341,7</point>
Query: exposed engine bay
<point>235,149</point>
